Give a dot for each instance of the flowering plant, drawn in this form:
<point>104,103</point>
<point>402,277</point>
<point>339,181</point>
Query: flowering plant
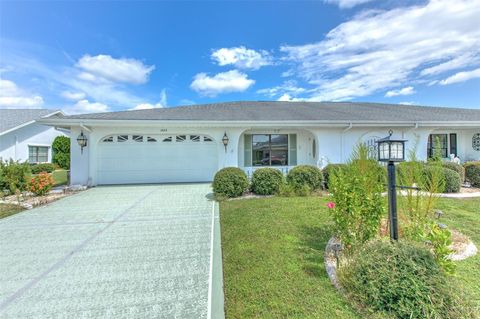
<point>41,184</point>
<point>331,205</point>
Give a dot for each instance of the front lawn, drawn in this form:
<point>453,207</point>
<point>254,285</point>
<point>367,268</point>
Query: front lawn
<point>9,209</point>
<point>60,177</point>
<point>273,256</point>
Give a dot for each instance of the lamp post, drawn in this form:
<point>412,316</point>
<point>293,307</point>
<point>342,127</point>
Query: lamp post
<point>82,141</point>
<point>392,150</point>
<point>225,140</point>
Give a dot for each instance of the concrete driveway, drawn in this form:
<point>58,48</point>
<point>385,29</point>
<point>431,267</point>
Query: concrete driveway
<point>149,251</point>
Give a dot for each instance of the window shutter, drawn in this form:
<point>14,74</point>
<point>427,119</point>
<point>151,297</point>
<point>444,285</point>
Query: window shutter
<point>292,149</point>
<point>247,150</point>
<point>453,144</point>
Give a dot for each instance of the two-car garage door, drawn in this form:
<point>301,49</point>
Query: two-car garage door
<point>136,158</point>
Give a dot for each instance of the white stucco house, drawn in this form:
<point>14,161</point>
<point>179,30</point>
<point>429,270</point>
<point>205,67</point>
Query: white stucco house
<point>23,139</point>
<point>185,144</point>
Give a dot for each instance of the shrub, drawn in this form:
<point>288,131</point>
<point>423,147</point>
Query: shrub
<point>433,179</point>
<point>266,181</point>
<point>401,280</point>
<point>61,151</point>
<point>230,182</point>
<point>472,173</point>
<point>302,176</point>
<point>452,181</point>
<point>41,184</point>
<point>44,167</point>
<point>14,176</point>
<point>357,193</point>
<point>328,170</point>
<point>457,168</point>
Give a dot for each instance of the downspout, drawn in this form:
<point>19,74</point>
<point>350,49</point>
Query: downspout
<point>348,128</point>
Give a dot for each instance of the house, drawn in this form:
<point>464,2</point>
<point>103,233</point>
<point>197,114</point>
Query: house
<point>23,139</point>
<point>190,143</point>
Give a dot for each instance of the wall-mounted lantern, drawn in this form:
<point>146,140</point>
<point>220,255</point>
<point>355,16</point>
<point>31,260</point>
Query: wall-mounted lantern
<point>225,140</point>
<point>82,141</point>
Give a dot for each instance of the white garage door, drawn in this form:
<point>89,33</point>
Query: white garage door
<point>127,159</point>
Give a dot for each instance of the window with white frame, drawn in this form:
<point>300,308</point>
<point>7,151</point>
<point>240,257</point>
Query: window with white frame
<point>443,144</point>
<point>270,149</point>
<point>37,154</point>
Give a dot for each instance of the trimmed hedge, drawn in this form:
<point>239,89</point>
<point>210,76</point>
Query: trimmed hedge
<point>472,173</point>
<point>61,151</point>
<point>266,181</point>
<point>328,170</point>
<point>302,176</point>
<point>44,167</point>
<point>401,280</point>
<point>453,181</point>
<point>457,168</point>
<point>230,182</point>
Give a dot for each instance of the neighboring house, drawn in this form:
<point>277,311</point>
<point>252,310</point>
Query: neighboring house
<point>23,139</point>
<point>185,144</point>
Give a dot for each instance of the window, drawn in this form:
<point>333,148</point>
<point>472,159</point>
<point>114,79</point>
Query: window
<point>167,139</point>
<point>195,138</point>
<point>122,138</point>
<point>38,154</point>
<point>137,138</point>
<point>270,150</point>
<point>207,139</point>
<point>108,139</point>
<point>151,139</point>
<point>453,143</point>
<point>180,138</point>
<point>440,140</point>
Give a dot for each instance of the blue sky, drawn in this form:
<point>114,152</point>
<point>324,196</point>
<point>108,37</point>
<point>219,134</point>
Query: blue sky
<point>104,56</point>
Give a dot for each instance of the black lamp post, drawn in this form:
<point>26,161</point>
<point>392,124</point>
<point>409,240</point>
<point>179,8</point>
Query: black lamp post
<point>392,150</point>
<point>82,141</point>
<point>225,140</point>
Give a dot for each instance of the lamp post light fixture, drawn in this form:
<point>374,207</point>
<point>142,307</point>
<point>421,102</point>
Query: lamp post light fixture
<point>392,150</point>
<point>82,141</point>
<point>225,140</point>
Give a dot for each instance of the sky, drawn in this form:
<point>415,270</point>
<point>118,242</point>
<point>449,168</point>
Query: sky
<point>89,56</point>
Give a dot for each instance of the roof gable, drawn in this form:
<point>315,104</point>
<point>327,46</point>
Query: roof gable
<point>11,119</point>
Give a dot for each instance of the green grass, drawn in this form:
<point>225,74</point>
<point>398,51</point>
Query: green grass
<point>60,177</point>
<point>9,209</point>
<point>273,257</point>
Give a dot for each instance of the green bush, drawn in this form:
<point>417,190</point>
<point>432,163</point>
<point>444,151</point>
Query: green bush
<point>452,181</point>
<point>303,176</point>
<point>44,167</point>
<point>14,176</point>
<point>401,280</point>
<point>328,170</point>
<point>230,182</point>
<point>61,151</point>
<point>357,193</point>
<point>457,168</point>
<point>433,178</point>
<point>266,181</point>
<point>472,173</point>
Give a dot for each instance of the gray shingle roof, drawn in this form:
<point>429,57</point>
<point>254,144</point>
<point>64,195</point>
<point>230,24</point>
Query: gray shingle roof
<point>11,118</point>
<point>293,111</point>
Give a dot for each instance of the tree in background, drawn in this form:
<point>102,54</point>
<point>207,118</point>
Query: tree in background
<point>61,151</point>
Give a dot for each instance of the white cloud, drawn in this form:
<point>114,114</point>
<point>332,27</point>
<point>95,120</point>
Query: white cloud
<point>242,58</point>
<point>287,89</point>
<point>74,96</point>
<point>115,70</point>
<point>347,3</point>
<point>225,82</point>
<point>85,106</point>
<point>461,77</point>
<point>159,104</point>
<point>11,96</point>
<point>453,64</point>
<point>378,50</point>
<point>407,103</point>
<point>404,91</point>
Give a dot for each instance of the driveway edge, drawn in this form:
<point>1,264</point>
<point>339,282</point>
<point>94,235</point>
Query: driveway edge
<point>217,298</point>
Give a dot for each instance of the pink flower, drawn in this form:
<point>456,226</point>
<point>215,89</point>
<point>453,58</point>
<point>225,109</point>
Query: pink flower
<point>331,205</point>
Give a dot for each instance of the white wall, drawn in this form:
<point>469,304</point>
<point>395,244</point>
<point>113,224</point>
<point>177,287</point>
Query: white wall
<point>15,144</point>
<point>334,145</point>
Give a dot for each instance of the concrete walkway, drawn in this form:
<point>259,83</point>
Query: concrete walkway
<point>114,252</point>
